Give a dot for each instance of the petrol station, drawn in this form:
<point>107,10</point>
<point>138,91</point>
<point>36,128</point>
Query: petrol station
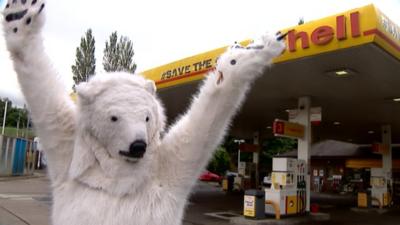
<point>338,79</point>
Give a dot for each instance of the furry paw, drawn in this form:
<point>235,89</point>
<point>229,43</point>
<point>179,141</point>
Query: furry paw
<point>247,63</point>
<point>23,19</point>
<point>272,44</point>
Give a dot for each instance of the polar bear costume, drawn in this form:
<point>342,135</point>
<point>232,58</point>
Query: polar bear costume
<point>107,161</point>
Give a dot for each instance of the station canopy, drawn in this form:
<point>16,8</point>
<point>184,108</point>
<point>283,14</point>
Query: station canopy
<point>348,64</point>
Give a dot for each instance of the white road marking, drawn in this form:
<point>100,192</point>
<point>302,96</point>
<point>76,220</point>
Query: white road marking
<point>20,197</point>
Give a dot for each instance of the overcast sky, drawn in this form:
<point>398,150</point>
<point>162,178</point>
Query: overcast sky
<point>167,30</point>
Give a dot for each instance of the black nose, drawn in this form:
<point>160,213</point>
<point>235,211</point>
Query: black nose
<point>137,148</point>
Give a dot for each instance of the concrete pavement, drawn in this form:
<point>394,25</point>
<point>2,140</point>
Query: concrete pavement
<point>28,201</point>
<point>24,200</point>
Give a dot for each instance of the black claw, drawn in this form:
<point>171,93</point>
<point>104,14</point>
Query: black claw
<point>41,8</point>
<point>15,30</point>
<point>257,47</point>
<point>23,2</point>
<point>281,36</point>
<point>16,16</point>
<point>34,2</point>
<point>28,21</point>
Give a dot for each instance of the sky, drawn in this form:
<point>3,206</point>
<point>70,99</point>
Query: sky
<point>163,31</point>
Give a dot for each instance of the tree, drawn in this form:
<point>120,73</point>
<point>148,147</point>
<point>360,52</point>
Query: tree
<point>110,58</point>
<point>3,106</point>
<point>278,145</point>
<point>126,53</point>
<point>85,62</point>
<point>272,147</point>
<point>118,55</point>
<point>16,117</point>
<point>2,110</point>
<point>269,148</point>
<point>220,162</point>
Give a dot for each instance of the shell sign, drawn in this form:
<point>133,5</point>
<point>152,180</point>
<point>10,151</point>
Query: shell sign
<point>344,30</point>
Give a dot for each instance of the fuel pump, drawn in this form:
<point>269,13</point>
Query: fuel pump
<point>288,186</point>
<point>379,188</point>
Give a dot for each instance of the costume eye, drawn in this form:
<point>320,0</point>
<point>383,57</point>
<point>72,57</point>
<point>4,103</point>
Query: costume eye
<point>114,118</point>
<point>147,119</point>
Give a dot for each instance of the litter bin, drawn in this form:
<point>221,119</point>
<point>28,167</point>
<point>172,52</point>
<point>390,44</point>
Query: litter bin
<point>254,204</point>
<point>230,180</point>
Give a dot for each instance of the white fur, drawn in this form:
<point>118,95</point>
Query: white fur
<point>92,183</point>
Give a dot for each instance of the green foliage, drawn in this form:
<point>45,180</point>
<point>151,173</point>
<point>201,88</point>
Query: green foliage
<point>232,148</point>
<point>111,57</point>
<point>16,119</point>
<point>14,115</point>
<point>118,55</point>
<point>272,147</point>
<point>278,145</point>
<point>2,107</point>
<point>85,62</point>
<point>126,55</point>
<point>220,162</point>
<point>269,148</point>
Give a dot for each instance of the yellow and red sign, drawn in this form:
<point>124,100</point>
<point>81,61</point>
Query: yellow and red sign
<point>369,163</point>
<point>186,70</point>
<point>348,29</point>
<point>380,148</point>
<point>352,28</point>
<point>387,34</point>
<point>288,129</point>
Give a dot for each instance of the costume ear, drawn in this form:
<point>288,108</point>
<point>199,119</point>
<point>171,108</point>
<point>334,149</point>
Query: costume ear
<point>83,92</point>
<point>87,92</point>
<point>83,156</point>
<point>150,86</point>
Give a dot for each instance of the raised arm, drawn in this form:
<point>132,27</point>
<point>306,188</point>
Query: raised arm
<point>192,140</point>
<point>51,109</point>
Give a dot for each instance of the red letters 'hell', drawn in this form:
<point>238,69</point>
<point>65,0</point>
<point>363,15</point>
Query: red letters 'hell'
<point>322,35</point>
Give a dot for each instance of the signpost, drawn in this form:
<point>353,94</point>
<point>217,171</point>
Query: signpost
<point>315,115</point>
<point>4,118</point>
<point>244,147</point>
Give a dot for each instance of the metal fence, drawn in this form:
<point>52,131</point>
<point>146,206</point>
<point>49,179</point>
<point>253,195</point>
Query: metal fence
<point>17,156</point>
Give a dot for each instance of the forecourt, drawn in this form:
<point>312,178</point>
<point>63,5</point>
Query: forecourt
<point>347,65</point>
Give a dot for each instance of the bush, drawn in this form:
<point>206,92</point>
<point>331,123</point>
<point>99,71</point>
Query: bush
<point>219,164</point>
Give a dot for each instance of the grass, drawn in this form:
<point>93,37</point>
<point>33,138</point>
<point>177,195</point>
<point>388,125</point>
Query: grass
<point>13,132</point>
